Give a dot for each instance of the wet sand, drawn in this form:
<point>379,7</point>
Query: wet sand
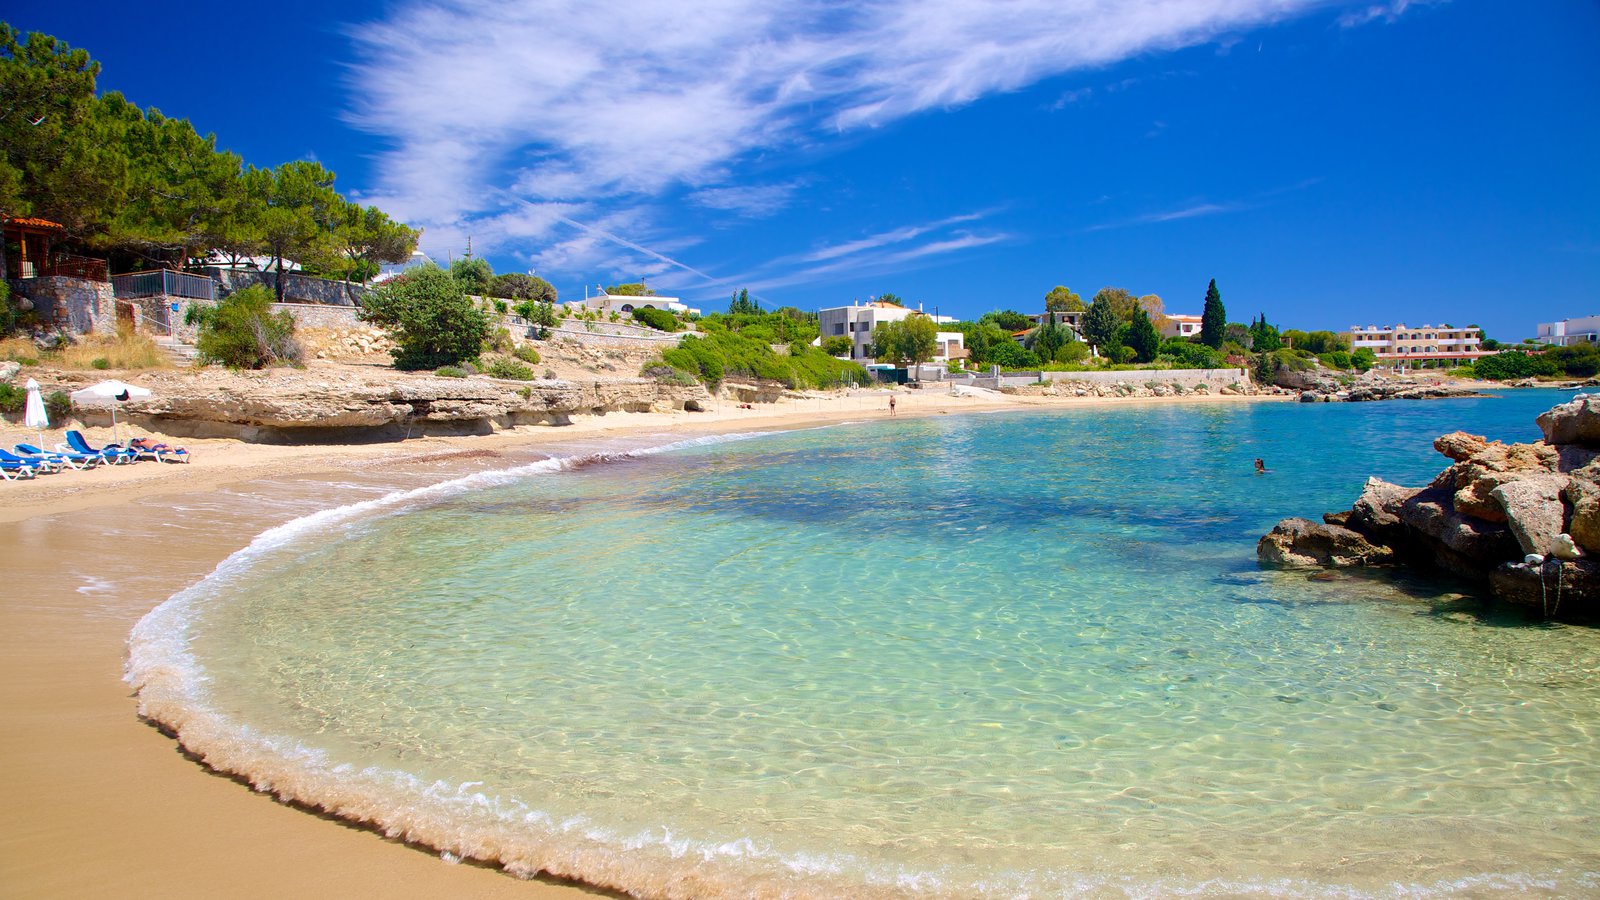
<point>99,803</point>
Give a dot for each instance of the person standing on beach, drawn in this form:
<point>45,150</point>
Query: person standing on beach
<point>891,404</point>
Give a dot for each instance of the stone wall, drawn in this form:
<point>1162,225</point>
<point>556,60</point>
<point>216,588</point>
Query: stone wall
<point>298,288</point>
<point>603,334</point>
<point>319,315</point>
<point>78,305</point>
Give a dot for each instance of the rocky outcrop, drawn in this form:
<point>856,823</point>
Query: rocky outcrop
<point>287,406</point>
<point>1523,519</point>
<point>1301,542</point>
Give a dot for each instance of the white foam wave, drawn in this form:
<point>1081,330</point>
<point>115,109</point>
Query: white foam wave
<point>461,821</point>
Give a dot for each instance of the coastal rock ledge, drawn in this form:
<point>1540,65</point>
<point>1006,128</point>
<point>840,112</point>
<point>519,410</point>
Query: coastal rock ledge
<point>288,406</point>
<point>1524,519</point>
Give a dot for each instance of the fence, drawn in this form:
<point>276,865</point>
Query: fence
<point>163,283</point>
<point>60,264</point>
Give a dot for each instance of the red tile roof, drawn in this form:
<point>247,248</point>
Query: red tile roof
<point>34,223</point>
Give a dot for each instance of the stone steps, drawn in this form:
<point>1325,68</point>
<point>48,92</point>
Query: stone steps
<point>183,355</point>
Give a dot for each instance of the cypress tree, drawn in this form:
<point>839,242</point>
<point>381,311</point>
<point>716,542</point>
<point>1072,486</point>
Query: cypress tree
<point>1214,320</point>
<point>1100,323</point>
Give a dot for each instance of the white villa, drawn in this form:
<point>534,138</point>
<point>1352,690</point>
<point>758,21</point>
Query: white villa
<point>1179,325</point>
<point>627,303</point>
<point>1570,331</point>
<point>858,319</point>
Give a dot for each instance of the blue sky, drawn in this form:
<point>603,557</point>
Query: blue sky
<point>1327,162</point>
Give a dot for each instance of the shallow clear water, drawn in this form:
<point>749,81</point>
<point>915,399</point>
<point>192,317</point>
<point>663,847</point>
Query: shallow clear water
<point>1005,654</point>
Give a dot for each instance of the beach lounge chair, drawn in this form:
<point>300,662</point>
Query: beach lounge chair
<point>39,463</point>
<point>66,457</point>
<point>157,451</point>
<point>111,453</point>
<point>12,471</point>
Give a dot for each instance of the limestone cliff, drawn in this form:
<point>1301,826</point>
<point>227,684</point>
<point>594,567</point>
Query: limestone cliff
<point>285,405</point>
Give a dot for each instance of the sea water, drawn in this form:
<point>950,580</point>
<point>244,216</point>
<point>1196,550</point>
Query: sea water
<point>1016,654</point>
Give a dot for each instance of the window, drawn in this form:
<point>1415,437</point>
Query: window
<point>627,307</point>
<point>838,328</point>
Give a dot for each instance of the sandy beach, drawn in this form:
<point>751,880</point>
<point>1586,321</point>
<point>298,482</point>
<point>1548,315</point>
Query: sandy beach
<point>100,803</point>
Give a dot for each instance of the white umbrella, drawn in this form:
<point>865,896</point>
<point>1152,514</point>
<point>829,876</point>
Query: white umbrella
<point>110,392</point>
<point>36,417</point>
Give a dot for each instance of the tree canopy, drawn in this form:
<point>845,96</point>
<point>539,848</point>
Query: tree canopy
<point>1008,320</point>
<point>430,317</point>
<point>148,190</point>
<point>630,289</point>
<point>1062,299</point>
<point>910,341</point>
<point>743,305</point>
<point>1142,336</point>
<point>1121,302</point>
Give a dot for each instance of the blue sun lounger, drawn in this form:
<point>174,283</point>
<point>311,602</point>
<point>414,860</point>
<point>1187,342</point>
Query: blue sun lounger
<point>11,471</point>
<point>40,463</point>
<point>66,457</point>
<point>111,453</point>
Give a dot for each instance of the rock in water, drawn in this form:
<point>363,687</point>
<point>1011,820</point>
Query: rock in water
<point>1302,542</point>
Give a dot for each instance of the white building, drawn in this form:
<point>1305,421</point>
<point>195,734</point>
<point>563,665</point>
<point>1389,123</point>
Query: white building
<point>627,303</point>
<point>1180,326</point>
<point>1570,331</point>
<point>858,319</point>
<point>1399,344</point>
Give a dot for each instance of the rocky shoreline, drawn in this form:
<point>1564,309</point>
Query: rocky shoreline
<point>1523,519</point>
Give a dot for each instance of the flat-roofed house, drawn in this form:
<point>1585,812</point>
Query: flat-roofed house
<point>859,319</point>
<point>1566,332</point>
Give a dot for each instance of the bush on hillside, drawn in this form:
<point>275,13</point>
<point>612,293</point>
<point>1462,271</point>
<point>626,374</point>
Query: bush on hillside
<point>659,319</point>
<point>430,319</point>
<point>526,354</point>
<point>509,369</point>
<point>1512,364</point>
<point>722,353</point>
<point>242,332</point>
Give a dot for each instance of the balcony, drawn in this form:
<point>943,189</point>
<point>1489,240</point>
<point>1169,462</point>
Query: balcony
<point>63,265</point>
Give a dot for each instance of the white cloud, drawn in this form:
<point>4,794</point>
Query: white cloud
<point>603,107</point>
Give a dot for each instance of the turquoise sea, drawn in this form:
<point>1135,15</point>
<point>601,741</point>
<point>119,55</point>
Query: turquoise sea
<point>1016,654</point>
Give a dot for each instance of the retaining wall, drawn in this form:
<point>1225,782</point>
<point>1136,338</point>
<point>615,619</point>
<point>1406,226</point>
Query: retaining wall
<point>1187,378</point>
<point>299,288</point>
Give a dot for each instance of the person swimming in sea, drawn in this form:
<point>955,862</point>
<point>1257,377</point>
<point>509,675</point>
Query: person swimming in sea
<point>1261,466</point>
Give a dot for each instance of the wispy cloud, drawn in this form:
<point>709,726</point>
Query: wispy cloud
<point>751,201</point>
<point>885,238</point>
<point>1191,211</point>
<point>597,113</point>
<point>1376,12</point>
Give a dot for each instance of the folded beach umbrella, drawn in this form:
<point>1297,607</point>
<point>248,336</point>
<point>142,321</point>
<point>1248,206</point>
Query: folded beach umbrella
<point>35,416</point>
<point>110,393</point>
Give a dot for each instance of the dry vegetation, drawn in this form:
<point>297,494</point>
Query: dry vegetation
<point>127,350</point>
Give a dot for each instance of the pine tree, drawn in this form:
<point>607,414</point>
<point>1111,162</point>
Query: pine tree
<point>1214,319</point>
<point>1142,336</point>
<point>1100,323</point>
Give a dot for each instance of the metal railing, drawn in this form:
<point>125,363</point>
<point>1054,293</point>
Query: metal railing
<point>163,282</point>
<point>59,264</point>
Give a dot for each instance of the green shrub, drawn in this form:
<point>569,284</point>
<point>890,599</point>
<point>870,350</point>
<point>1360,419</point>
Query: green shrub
<point>526,354</point>
<point>1189,355</point>
<point>1336,359</point>
<point>509,369</point>
<point>100,362</point>
<point>241,331</point>
<point>1512,364</point>
<point>450,372</point>
<point>500,341</point>
<point>1466,371</point>
<point>431,320</point>
<point>12,398</point>
<point>720,353</point>
<point>838,345</point>
<point>58,405</point>
<point>659,319</point>
<point>1363,358</point>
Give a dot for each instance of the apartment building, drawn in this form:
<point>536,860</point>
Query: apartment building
<point>1401,343</point>
<point>1570,331</point>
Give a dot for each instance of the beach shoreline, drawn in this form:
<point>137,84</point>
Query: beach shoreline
<point>102,802</point>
